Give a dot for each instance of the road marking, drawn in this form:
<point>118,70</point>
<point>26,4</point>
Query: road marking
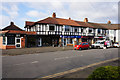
<point>20,64</point>
<point>34,62</point>
<point>77,69</point>
<point>66,57</point>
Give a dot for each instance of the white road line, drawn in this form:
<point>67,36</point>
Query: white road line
<point>20,64</point>
<point>66,57</point>
<point>34,62</point>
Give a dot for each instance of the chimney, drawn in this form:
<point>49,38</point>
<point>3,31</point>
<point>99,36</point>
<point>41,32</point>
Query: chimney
<point>69,18</point>
<point>54,15</point>
<point>86,20</point>
<point>109,22</point>
<point>11,23</point>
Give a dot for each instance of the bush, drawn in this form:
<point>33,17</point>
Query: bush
<point>105,73</point>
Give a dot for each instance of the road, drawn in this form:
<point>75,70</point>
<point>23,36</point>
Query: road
<point>43,64</point>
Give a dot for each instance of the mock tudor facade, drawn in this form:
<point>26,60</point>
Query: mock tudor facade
<point>53,31</point>
<point>69,32</point>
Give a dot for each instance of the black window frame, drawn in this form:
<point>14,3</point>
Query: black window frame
<point>10,40</point>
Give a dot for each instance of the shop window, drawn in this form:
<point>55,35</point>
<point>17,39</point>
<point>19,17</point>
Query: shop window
<point>11,40</point>
<point>52,28</point>
<point>4,40</point>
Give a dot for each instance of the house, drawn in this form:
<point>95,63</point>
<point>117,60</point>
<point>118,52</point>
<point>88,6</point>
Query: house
<point>53,31</point>
<point>14,37</point>
<point>59,31</point>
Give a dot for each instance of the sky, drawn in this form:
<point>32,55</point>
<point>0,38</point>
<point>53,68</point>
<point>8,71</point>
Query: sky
<point>19,12</point>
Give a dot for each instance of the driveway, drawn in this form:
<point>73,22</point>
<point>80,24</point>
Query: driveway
<point>39,65</point>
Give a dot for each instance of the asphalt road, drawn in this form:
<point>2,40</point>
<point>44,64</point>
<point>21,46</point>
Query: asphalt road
<point>43,64</point>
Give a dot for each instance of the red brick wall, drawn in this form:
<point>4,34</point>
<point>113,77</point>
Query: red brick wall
<point>23,42</point>
<point>10,46</point>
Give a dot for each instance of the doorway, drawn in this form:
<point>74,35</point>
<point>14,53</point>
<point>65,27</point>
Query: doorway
<point>18,42</point>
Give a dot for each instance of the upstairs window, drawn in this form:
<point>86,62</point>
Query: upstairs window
<point>51,28</point>
<point>67,28</point>
<point>99,30</point>
<point>81,30</point>
<point>90,30</point>
<point>76,30</point>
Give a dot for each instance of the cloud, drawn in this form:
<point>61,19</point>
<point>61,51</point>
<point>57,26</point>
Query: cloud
<point>11,9</point>
<point>4,21</point>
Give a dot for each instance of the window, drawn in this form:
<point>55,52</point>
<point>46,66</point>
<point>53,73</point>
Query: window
<point>4,40</point>
<point>11,40</point>
<point>76,30</point>
<point>86,43</point>
<point>81,30</point>
<point>99,30</point>
<point>67,28</point>
<point>90,30</point>
<point>52,28</point>
<point>83,44</point>
<point>18,41</point>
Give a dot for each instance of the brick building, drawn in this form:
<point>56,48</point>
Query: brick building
<point>14,37</point>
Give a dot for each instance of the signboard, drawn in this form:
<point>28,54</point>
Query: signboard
<point>70,36</point>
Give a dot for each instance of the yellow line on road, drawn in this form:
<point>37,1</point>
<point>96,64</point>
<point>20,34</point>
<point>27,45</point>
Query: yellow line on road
<point>77,69</point>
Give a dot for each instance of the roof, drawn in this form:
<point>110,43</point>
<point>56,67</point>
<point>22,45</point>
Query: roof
<point>12,27</point>
<point>29,23</point>
<point>61,21</point>
<point>17,32</point>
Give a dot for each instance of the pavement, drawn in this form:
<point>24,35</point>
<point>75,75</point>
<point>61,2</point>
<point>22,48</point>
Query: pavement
<point>40,65</point>
<point>34,50</point>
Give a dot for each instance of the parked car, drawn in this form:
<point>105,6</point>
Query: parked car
<point>116,44</point>
<point>98,44</point>
<point>82,45</point>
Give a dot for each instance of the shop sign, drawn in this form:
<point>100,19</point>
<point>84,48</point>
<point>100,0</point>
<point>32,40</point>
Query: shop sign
<point>70,36</point>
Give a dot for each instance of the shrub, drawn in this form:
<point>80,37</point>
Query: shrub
<point>105,73</point>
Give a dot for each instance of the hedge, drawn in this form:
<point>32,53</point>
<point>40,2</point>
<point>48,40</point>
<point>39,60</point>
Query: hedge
<point>105,73</point>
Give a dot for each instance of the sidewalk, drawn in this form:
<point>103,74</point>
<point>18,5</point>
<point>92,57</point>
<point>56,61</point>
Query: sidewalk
<point>22,51</point>
<point>83,74</point>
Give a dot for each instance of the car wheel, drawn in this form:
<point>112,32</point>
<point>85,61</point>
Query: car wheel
<point>80,49</point>
<point>98,47</point>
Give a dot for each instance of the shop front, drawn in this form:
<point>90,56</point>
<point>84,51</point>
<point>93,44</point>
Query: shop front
<point>69,40</point>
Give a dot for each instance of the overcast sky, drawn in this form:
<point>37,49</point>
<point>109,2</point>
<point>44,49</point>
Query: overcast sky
<point>19,12</point>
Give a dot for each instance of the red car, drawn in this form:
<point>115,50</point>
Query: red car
<point>82,45</point>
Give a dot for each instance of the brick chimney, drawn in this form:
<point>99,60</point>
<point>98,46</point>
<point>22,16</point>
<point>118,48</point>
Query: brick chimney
<point>69,18</point>
<point>54,15</point>
<point>86,20</point>
<point>11,23</point>
<point>109,22</point>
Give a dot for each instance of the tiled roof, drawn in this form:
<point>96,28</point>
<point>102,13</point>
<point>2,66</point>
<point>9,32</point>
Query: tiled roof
<point>29,23</point>
<point>60,21</point>
<point>18,32</point>
<point>12,27</point>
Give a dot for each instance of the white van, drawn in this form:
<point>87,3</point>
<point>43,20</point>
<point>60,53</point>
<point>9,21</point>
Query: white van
<point>98,44</point>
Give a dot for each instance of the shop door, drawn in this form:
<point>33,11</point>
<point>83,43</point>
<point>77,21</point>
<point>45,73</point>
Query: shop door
<point>18,42</point>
